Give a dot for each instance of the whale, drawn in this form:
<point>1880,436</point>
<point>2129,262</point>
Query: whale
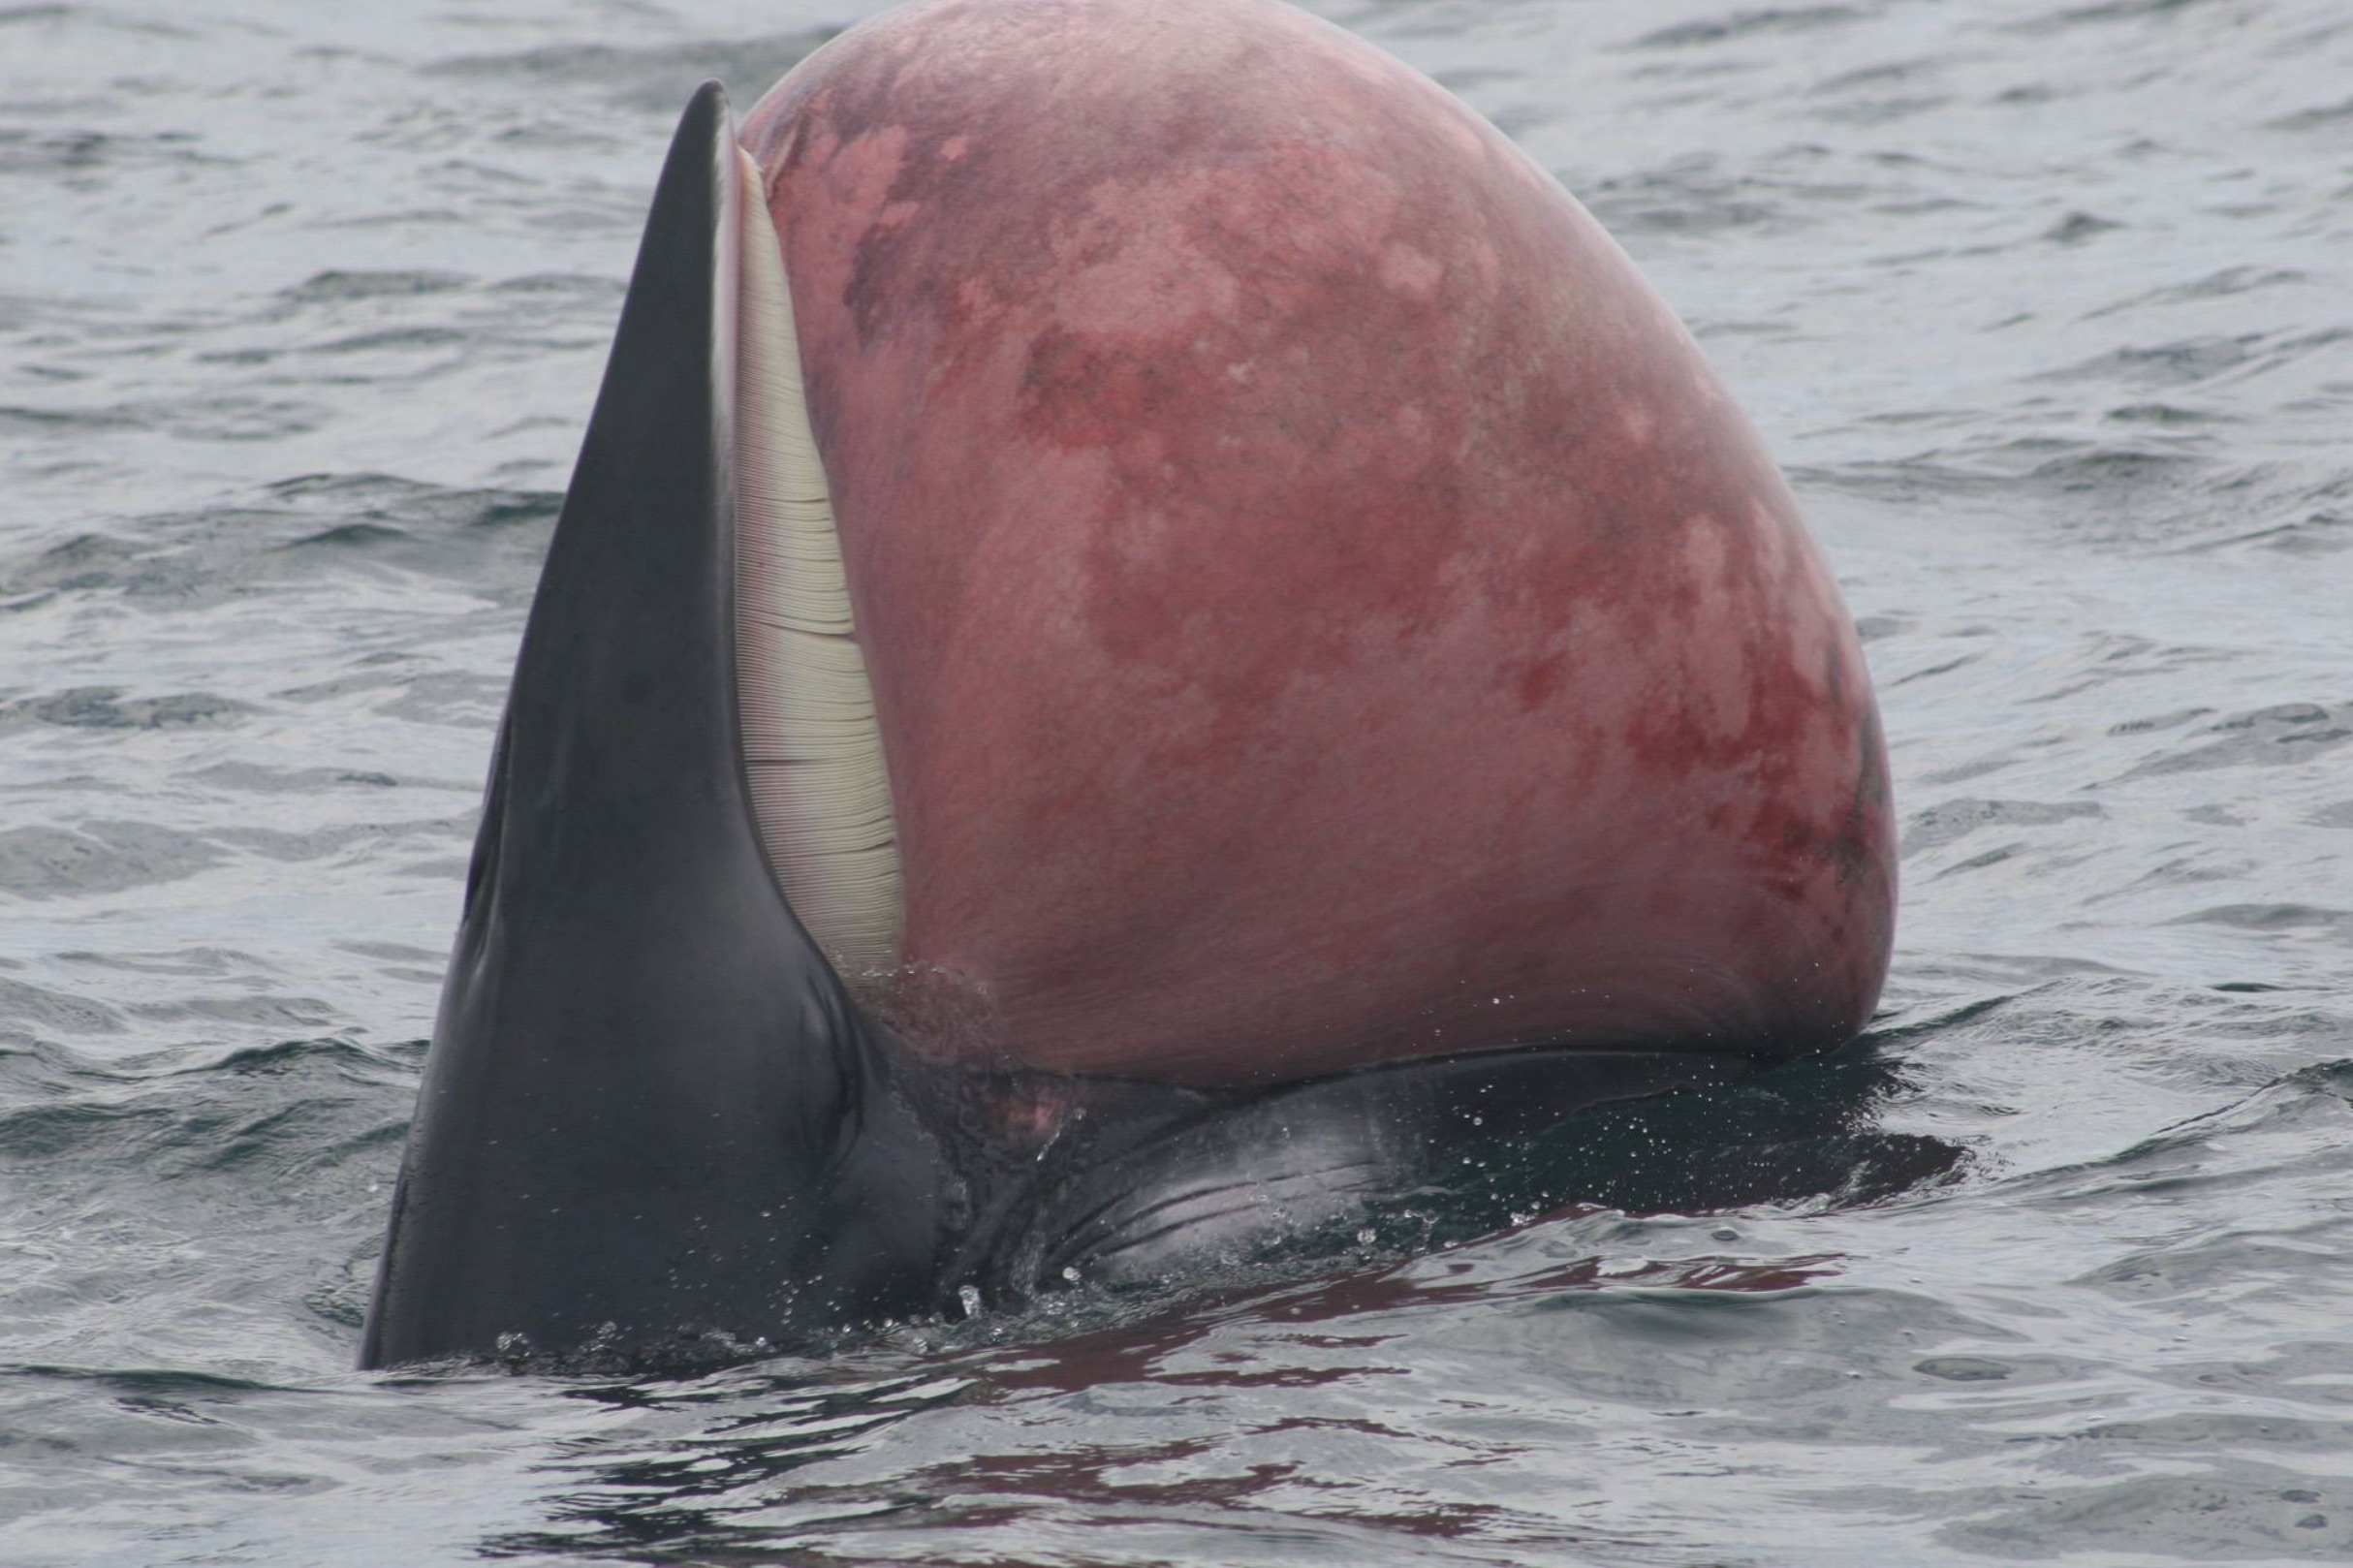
<point>1156,637</point>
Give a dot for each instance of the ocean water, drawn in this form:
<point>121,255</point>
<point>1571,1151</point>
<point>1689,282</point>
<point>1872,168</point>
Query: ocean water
<point>2047,307</point>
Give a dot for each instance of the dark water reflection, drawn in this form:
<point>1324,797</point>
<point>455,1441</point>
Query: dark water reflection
<point>1808,1132</point>
<point>721,1491</point>
<point>720,1488</point>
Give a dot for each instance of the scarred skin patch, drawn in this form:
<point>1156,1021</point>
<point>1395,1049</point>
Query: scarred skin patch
<point>1321,609</point>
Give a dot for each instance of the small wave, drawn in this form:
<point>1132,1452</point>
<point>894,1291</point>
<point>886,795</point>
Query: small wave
<point>2076,227</point>
<point>102,857</point>
<point>2112,469</point>
<point>393,338</point>
<point>2221,285</point>
<point>288,1105</point>
<point>82,152</point>
<point>257,779</point>
<point>1949,821</point>
<point>2295,1118</point>
<point>350,536</point>
<point>2269,918</point>
<point>488,538</point>
<point>347,1057</point>
<point>334,286</point>
<point>2168,415</point>
<point>1691,197</point>
<point>2185,361</point>
<point>576,285</point>
<point>709,1492</point>
<point>24,1003</point>
<point>105,707</point>
<point>145,1381</point>
<point>2314,119</point>
<point>281,844</point>
<point>2286,734</point>
<point>2192,1515</point>
<point>1748,25</point>
<point>2110,10</point>
<point>2317,533</point>
<point>656,77</point>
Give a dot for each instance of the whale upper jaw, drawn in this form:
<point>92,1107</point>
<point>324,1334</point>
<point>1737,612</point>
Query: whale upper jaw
<point>650,1102</point>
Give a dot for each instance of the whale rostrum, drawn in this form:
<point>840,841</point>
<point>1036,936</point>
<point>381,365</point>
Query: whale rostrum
<point>649,1101</point>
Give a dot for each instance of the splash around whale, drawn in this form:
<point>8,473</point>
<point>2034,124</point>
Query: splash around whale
<point>1153,628</point>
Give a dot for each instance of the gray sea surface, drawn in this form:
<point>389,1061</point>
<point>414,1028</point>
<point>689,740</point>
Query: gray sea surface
<point>2047,307</point>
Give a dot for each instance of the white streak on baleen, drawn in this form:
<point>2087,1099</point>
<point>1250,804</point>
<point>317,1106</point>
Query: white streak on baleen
<point>811,744</point>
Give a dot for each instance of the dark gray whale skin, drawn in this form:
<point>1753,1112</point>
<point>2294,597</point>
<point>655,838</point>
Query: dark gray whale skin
<point>651,1119</point>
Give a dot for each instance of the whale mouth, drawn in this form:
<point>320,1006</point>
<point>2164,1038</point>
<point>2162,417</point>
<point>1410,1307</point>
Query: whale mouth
<point>653,1115</point>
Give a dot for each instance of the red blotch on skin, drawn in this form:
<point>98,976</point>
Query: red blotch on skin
<point>1321,609</point>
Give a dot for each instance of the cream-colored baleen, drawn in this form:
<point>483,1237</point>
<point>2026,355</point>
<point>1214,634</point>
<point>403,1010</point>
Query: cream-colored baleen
<point>811,742</point>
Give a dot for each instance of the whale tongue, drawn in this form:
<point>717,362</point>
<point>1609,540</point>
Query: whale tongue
<point>649,1113</point>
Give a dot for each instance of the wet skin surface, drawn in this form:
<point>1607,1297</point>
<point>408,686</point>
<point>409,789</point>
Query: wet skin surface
<point>1321,608</point>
